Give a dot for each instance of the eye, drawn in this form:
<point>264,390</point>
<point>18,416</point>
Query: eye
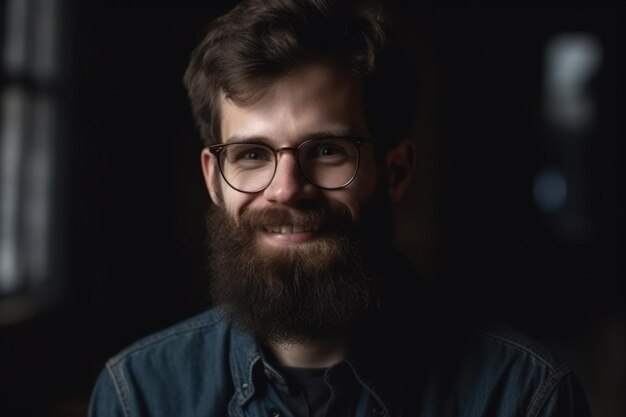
<point>249,153</point>
<point>326,149</point>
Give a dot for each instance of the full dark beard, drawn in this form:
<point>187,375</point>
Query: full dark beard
<point>296,293</point>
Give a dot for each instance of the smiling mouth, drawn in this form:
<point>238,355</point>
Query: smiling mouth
<point>291,228</point>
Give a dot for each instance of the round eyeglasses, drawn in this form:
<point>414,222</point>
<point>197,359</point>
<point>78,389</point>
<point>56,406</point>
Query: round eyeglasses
<point>328,163</point>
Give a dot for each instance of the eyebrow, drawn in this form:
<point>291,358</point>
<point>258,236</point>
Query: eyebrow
<point>315,135</point>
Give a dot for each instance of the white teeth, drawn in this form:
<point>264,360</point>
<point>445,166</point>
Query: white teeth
<point>290,228</point>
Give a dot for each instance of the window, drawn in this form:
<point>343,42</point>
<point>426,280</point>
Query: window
<point>30,133</point>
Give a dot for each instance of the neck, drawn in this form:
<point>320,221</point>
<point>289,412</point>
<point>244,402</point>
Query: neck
<point>313,354</point>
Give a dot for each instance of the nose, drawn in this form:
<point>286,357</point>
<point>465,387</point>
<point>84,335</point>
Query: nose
<point>289,186</point>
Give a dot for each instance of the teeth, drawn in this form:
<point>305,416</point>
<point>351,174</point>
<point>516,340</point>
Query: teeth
<point>290,228</point>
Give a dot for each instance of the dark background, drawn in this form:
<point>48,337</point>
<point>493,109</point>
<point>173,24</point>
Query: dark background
<point>131,229</point>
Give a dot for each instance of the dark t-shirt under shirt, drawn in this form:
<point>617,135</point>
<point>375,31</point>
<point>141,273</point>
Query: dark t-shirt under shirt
<point>307,394</point>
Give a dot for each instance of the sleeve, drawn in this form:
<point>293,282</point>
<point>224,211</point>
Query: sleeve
<point>105,401</point>
<point>568,399</point>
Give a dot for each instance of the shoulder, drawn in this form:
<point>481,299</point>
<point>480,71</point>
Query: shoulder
<point>505,357</point>
<point>190,334</point>
<point>495,337</point>
<point>496,367</point>
<point>493,348</point>
<point>154,375</point>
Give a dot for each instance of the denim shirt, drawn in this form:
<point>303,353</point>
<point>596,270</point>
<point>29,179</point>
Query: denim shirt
<point>206,367</point>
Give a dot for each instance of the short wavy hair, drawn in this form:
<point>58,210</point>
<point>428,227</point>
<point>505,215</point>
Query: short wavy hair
<point>246,50</point>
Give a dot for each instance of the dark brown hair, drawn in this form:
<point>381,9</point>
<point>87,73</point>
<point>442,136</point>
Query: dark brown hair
<point>258,41</point>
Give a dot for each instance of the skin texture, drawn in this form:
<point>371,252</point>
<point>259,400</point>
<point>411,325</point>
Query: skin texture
<point>312,100</point>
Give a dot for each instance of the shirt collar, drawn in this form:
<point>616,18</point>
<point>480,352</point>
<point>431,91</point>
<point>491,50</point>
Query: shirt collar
<point>379,389</point>
<point>247,364</point>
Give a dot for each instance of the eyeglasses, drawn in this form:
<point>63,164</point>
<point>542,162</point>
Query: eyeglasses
<point>328,163</point>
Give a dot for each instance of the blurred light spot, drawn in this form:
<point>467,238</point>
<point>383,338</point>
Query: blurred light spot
<point>46,43</point>
<point>571,59</point>
<point>550,190</point>
<point>12,137</point>
<point>38,190</point>
<point>16,36</point>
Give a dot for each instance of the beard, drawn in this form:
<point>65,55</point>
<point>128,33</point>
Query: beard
<point>297,293</point>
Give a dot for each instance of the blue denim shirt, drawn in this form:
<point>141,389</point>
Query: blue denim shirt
<point>205,367</point>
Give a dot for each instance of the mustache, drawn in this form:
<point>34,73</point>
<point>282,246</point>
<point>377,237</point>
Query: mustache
<point>338,217</point>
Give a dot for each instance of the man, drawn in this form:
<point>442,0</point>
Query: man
<point>305,108</point>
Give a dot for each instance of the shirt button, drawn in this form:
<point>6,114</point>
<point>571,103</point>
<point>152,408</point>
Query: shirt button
<point>273,412</point>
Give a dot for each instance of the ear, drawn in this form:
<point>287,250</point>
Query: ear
<point>400,164</point>
<point>210,171</point>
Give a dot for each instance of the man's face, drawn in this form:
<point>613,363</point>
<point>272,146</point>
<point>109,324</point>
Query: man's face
<point>289,258</point>
<point>311,101</point>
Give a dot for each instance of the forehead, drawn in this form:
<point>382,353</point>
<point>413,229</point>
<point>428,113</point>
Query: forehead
<point>309,100</point>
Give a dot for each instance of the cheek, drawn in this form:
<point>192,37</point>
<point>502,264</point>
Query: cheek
<point>235,202</point>
<point>369,170</point>
<point>362,191</point>
<point>365,184</point>
<point>354,198</point>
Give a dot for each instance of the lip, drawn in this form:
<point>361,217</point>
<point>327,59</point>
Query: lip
<point>289,234</point>
<point>290,228</point>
